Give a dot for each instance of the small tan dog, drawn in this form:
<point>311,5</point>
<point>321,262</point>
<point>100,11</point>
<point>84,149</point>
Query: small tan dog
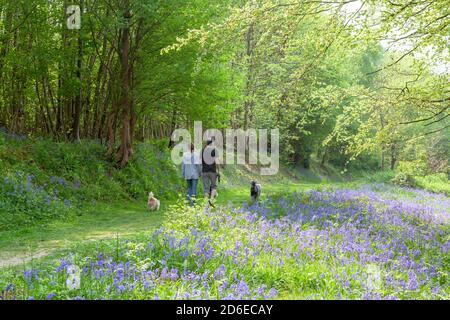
<point>152,203</point>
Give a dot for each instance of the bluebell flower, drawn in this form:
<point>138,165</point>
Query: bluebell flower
<point>50,296</point>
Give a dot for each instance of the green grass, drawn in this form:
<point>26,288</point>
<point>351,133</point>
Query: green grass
<point>105,221</point>
<point>298,260</point>
<point>237,195</point>
<point>120,212</point>
<point>87,165</point>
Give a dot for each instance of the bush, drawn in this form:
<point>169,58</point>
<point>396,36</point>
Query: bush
<point>414,167</point>
<point>84,166</point>
<point>402,179</point>
<point>381,176</point>
<point>150,170</point>
<point>438,183</point>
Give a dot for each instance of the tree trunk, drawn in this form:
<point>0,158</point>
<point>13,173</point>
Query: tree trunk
<point>78,98</point>
<point>393,156</point>
<point>249,55</point>
<point>324,155</point>
<point>125,150</point>
<point>382,146</point>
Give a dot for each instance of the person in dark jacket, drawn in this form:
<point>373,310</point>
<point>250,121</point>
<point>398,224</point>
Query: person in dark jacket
<point>209,170</point>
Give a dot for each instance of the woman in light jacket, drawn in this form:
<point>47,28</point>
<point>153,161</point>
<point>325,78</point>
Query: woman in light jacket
<point>191,169</point>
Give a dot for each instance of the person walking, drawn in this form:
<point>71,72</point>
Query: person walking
<point>191,169</point>
<point>209,170</point>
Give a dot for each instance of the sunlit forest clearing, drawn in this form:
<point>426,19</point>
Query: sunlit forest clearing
<point>91,92</point>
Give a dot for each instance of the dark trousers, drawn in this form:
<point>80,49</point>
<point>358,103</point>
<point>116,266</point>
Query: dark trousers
<point>209,182</point>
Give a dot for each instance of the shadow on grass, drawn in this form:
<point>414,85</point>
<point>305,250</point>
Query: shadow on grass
<point>104,221</point>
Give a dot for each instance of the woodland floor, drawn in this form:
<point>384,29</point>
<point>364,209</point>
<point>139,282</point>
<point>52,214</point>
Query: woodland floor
<point>108,221</point>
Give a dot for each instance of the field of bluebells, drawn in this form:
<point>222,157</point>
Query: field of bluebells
<point>376,242</point>
<point>42,181</point>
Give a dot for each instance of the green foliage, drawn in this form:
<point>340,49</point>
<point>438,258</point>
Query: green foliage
<point>381,176</point>
<point>320,76</point>
<point>83,164</point>
<point>414,167</point>
<point>43,180</point>
<point>403,179</point>
<point>23,203</point>
<point>438,183</point>
<point>438,153</point>
<point>151,170</point>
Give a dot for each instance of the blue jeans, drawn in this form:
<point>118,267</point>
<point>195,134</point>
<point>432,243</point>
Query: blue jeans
<point>192,190</point>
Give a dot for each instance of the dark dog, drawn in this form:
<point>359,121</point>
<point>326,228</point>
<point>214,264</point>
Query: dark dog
<point>255,192</point>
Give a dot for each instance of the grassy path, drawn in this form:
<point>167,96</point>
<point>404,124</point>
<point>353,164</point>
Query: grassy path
<point>107,221</point>
<point>104,222</point>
